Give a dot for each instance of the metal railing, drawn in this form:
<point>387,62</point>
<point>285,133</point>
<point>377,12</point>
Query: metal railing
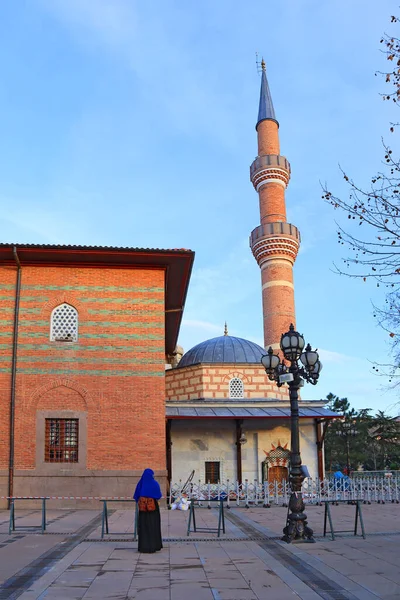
<point>254,493</point>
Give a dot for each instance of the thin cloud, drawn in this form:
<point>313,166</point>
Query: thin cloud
<point>30,225</point>
<point>328,356</point>
<point>114,23</point>
<point>202,325</point>
<point>182,89</point>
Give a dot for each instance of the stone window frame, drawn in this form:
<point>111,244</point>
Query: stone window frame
<point>234,381</point>
<point>47,468</point>
<point>218,462</point>
<point>66,433</point>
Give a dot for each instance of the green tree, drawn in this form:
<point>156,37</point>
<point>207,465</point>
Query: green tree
<point>358,439</point>
<point>385,437</point>
<point>346,438</point>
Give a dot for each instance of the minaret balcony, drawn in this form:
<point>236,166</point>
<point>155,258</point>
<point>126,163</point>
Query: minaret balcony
<point>270,168</point>
<point>275,239</point>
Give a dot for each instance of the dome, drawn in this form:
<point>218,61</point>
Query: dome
<point>223,349</point>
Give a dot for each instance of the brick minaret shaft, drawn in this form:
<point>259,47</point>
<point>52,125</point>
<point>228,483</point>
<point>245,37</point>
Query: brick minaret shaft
<point>274,242</point>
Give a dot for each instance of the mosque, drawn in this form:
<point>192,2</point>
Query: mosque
<point>94,388</point>
<point>225,419</point>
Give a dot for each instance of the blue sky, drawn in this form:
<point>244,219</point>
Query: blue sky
<point>132,124</point>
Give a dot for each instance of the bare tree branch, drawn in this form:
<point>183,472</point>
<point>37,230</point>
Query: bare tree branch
<point>374,252</point>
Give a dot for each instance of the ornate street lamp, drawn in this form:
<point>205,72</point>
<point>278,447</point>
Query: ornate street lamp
<point>292,346</point>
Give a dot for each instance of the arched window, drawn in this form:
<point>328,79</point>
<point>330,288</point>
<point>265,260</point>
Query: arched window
<point>236,388</point>
<point>64,324</point>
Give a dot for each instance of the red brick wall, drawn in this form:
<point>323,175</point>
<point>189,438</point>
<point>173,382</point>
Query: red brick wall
<point>268,138</point>
<point>8,278</point>
<point>278,300</point>
<point>272,203</point>
<point>115,371</point>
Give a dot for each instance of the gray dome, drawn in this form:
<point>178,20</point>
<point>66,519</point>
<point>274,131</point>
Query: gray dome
<point>223,349</point>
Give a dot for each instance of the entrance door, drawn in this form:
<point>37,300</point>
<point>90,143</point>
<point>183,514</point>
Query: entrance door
<point>277,474</point>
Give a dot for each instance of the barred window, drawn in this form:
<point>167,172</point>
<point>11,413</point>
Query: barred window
<point>236,388</point>
<point>64,324</point>
<point>61,440</point>
<point>212,472</point>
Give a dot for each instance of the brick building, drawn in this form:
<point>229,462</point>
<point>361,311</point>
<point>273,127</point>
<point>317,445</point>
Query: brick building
<point>85,335</point>
<point>226,420</point>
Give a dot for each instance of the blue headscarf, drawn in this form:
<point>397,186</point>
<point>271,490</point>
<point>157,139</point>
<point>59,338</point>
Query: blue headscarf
<point>147,486</point>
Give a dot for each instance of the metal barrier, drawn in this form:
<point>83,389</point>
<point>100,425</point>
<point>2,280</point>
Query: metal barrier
<point>358,517</point>
<point>104,517</point>
<point>12,527</point>
<point>192,519</point>
<point>42,527</point>
<point>254,493</point>
<point>367,490</point>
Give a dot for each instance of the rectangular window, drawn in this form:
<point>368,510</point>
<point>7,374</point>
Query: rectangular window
<point>61,440</point>
<point>212,472</point>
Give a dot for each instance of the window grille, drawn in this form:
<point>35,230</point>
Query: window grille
<point>61,440</point>
<point>212,472</point>
<point>236,388</point>
<point>64,324</point>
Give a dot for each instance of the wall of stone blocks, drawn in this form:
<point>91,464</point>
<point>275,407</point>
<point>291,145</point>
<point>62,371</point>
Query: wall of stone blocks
<point>212,381</point>
<point>196,441</point>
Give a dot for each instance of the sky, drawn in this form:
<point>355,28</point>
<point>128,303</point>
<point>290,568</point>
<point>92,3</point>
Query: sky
<point>128,123</point>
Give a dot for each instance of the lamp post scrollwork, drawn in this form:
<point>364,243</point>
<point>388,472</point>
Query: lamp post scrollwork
<point>294,374</point>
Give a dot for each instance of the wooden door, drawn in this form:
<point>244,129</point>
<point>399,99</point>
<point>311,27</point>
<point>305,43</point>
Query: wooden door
<point>277,474</point>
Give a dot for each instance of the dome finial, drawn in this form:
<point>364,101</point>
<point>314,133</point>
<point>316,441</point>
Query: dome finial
<point>226,329</point>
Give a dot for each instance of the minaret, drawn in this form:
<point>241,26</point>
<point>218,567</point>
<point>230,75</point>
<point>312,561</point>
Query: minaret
<point>274,242</point>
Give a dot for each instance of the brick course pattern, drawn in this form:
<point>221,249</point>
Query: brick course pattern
<point>7,287</point>
<point>114,372</point>
<point>213,382</point>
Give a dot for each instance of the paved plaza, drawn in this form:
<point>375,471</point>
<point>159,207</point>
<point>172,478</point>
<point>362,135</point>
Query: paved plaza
<point>248,562</point>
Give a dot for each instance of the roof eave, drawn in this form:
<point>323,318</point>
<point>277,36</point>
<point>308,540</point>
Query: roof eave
<point>233,417</point>
<point>176,263</point>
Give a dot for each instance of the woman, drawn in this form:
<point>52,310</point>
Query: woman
<point>149,528</point>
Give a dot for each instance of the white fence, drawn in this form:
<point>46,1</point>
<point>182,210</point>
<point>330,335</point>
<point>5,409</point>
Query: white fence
<point>367,489</point>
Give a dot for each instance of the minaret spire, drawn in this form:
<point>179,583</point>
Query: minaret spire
<point>266,108</point>
<point>274,242</point>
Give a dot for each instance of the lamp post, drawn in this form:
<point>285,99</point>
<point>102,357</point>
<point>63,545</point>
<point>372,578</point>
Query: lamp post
<point>346,431</point>
<point>292,346</point>
<point>240,440</point>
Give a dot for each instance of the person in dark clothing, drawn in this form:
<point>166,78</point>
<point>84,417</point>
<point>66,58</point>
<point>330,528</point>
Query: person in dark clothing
<point>149,526</point>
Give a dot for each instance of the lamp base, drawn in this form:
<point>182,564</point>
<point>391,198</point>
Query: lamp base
<point>296,524</point>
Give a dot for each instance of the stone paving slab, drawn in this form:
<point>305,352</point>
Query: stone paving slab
<point>14,556</point>
<point>250,567</point>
